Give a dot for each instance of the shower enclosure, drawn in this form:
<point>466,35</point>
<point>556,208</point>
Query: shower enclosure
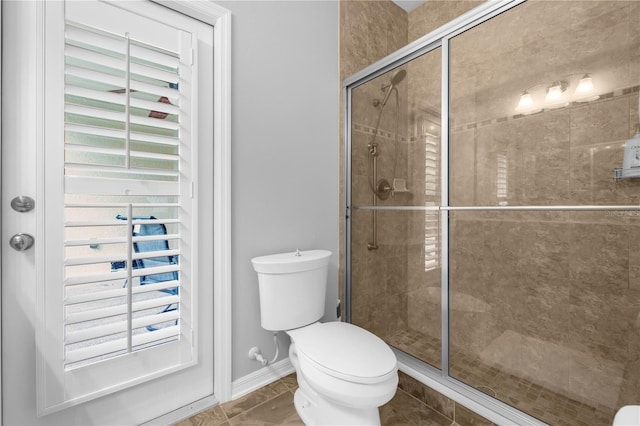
<point>487,239</point>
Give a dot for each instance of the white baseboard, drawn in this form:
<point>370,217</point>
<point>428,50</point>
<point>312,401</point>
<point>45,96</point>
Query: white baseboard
<point>183,413</point>
<point>239,388</point>
<point>261,378</point>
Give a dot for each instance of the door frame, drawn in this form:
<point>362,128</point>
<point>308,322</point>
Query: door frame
<point>220,19</point>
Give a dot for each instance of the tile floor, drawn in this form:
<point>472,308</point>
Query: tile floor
<point>273,405</point>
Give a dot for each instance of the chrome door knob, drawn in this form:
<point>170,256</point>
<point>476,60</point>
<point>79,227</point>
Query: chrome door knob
<point>23,204</point>
<point>21,242</point>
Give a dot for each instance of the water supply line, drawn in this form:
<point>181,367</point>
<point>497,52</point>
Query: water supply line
<point>255,353</point>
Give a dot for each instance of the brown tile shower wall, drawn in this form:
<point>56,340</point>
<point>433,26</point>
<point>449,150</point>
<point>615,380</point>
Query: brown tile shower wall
<point>435,13</point>
<point>370,30</point>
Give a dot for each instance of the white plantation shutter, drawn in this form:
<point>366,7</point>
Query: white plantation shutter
<point>431,218</point>
<point>123,309</point>
<point>115,133</point>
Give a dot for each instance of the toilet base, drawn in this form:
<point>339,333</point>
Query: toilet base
<point>315,411</point>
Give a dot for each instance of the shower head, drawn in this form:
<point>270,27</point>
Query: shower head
<point>395,80</point>
<point>398,77</point>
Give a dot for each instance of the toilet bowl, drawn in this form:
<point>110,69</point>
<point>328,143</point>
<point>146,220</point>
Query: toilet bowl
<point>344,372</point>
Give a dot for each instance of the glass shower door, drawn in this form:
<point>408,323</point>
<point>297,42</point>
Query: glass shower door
<point>544,289</point>
<point>395,193</point>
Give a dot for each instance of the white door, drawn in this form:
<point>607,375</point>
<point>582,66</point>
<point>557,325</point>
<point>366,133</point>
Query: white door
<point>106,125</point>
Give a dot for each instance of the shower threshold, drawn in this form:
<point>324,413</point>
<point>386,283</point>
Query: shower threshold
<point>522,392</point>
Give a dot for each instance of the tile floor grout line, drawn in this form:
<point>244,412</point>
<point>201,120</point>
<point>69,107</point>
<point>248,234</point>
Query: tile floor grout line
<point>259,405</point>
<point>227,421</point>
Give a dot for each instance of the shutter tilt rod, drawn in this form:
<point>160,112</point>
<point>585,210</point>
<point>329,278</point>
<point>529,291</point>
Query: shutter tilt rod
<point>129,278</point>
<point>127,130</point>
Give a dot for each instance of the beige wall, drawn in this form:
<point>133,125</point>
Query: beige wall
<point>435,13</point>
<point>369,31</point>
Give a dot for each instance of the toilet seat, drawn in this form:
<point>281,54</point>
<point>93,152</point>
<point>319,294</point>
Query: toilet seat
<point>345,351</point>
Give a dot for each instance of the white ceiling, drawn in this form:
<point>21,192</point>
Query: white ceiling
<point>408,5</point>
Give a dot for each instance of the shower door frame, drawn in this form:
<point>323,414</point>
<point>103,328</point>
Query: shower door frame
<point>438,379</point>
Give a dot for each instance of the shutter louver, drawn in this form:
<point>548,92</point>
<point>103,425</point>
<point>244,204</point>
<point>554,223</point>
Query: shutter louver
<point>122,240</point>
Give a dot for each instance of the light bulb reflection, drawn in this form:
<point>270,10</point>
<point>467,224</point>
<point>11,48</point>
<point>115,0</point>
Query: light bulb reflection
<point>584,91</point>
<point>585,85</point>
<point>526,101</point>
<point>554,92</point>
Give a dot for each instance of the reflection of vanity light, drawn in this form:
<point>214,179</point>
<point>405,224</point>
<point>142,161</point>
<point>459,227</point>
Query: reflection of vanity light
<point>526,101</point>
<point>554,92</point>
<point>556,95</point>
<point>585,85</point>
<point>584,89</point>
<point>525,104</point>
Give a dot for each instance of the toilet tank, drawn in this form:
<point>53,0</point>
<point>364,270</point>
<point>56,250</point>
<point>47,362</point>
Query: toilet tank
<point>292,288</point>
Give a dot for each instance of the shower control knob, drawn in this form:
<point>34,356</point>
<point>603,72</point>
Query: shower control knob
<point>21,242</point>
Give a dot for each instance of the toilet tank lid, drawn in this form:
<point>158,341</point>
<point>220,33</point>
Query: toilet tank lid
<point>345,349</point>
<point>286,263</point>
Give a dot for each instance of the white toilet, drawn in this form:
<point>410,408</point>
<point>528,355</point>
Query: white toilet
<point>344,372</point>
<point>629,415</point>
